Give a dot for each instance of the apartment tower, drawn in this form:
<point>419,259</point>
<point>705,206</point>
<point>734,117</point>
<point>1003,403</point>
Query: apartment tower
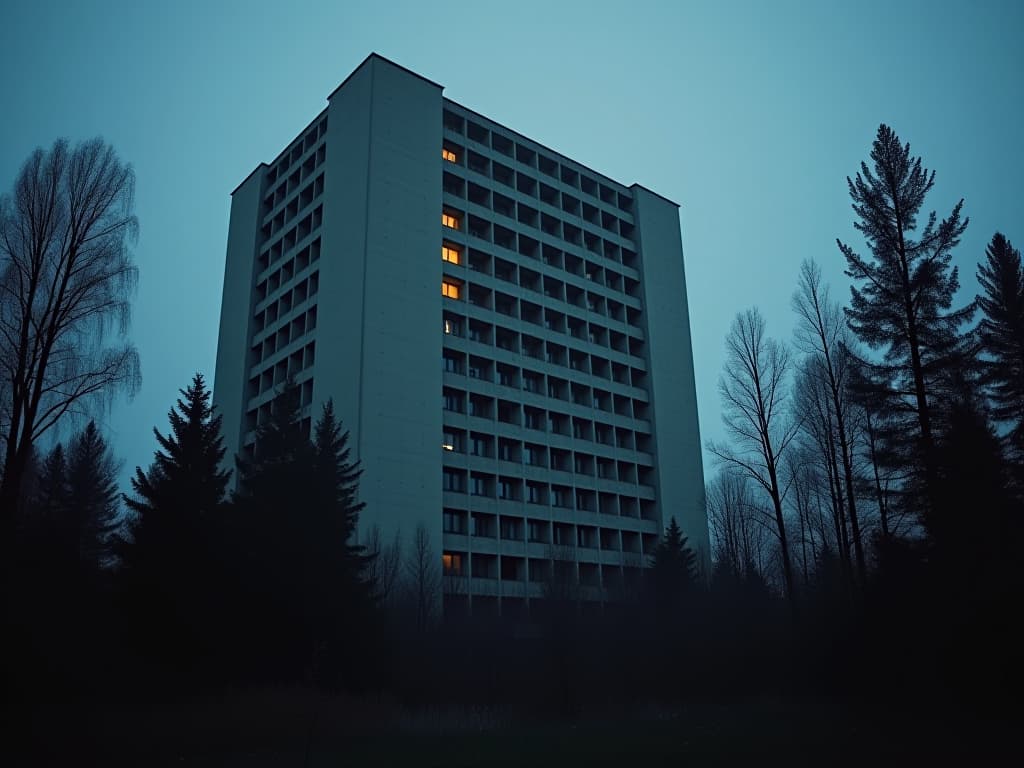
<point>503,331</point>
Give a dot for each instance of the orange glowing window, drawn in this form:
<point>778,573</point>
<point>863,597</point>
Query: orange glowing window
<point>450,288</point>
<point>451,253</point>
<point>448,155</point>
<point>452,563</point>
<point>450,220</point>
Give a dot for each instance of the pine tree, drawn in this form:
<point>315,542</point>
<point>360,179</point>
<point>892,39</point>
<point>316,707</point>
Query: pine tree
<point>1002,335</point>
<point>673,566</point>
<point>168,560</point>
<point>93,510</point>
<point>903,293</point>
<point>185,477</point>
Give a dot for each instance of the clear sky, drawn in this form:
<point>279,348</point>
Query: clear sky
<point>749,114</point>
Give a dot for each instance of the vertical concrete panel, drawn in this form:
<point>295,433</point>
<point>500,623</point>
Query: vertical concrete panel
<point>679,471</point>
<point>378,349</point>
<point>231,376</point>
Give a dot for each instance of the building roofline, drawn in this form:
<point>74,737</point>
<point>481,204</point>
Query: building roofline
<point>252,173</point>
<point>651,191</point>
<point>377,56</point>
<point>555,151</point>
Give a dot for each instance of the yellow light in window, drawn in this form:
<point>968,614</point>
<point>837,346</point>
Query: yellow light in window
<point>449,221</point>
<point>449,289</point>
<point>448,155</point>
<point>451,563</point>
<point>448,253</point>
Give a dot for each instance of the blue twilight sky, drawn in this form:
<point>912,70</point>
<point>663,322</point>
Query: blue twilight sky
<point>749,114</point>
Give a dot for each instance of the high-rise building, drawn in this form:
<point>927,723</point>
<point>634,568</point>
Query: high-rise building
<point>503,331</point>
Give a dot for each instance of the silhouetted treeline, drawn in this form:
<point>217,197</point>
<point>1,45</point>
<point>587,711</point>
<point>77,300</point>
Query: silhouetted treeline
<point>866,521</point>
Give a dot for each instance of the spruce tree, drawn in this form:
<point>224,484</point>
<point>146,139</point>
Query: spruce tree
<point>93,511</point>
<point>185,478</point>
<point>903,293</point>
<point>168,558</point>
<point>1002,335</point>
<point>673,566</point>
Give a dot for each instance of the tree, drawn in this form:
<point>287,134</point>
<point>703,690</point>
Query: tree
<point>1002,334</point>
<point>168,555</point>
<point>903,293</point>
<point>385,564</point>
<point>424,579</point>
<point>66,276</point>
<point>753,390</point>
<point>738,532</point>
<point>185,478</point>
<point>673,567</point>
<point>93,510</point>
<point>823,335</point>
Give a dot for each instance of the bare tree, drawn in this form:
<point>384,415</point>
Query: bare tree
<point>753,391</point>
<point>385,563</point>
<point>424,578</point>
<point>66,276</point>
<point>822,333</point>
<point>738,531</point>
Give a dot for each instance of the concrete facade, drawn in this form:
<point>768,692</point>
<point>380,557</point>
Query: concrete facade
<point>503,331</point>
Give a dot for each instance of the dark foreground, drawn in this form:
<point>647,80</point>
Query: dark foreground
<point>296,727</point>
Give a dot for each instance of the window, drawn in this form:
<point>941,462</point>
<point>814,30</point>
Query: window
<point>454,521</point>
<point>450,441</point>
<point>448,155</point>
<point>558,497</point>
<point>450,288</point>
<point>451,364</point>
<point>533,493</point>
<point>451,221</point>
<point>478,446</point>
<point>452,563</point>
<point>452,401</point>
<point>505,491</point>
<point>450,253</point>
<point>453,481</point>
<point>452,326</point>
<point>478,486</point>
<point>534,531</point>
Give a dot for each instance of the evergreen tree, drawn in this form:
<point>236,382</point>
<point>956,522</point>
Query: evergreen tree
<point>185,477</point>
<point>903,293</point>
<point>93,512</point>
<point>51,499</point>
<point>1002,334</point>
<point>168,559</point>
<point>673,567</point>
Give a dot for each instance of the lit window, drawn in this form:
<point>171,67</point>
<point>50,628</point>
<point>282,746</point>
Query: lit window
<point>450,221</point>
<point>452,327</point>
<point>450,289</point>
<point>450,253</point>
<point>452,563</point>
<point>448,155</point>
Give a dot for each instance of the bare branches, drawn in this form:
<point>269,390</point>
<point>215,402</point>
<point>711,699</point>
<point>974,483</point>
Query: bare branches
<point>753,387</point>
<point>66,278</point>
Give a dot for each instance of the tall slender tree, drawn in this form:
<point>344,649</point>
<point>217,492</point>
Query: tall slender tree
<point>753,387</point>
<point>1002,335</point>
<point>902,297</point>
<point>823,335</point>
<point>93,508</point>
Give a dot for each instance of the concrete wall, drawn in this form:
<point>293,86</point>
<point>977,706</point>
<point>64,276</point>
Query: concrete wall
<point>379,313</point>
<point>230,378</point>
<point>679,471</point>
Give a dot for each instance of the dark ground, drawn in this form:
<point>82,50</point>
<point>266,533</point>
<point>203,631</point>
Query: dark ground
<point>297,727</point>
